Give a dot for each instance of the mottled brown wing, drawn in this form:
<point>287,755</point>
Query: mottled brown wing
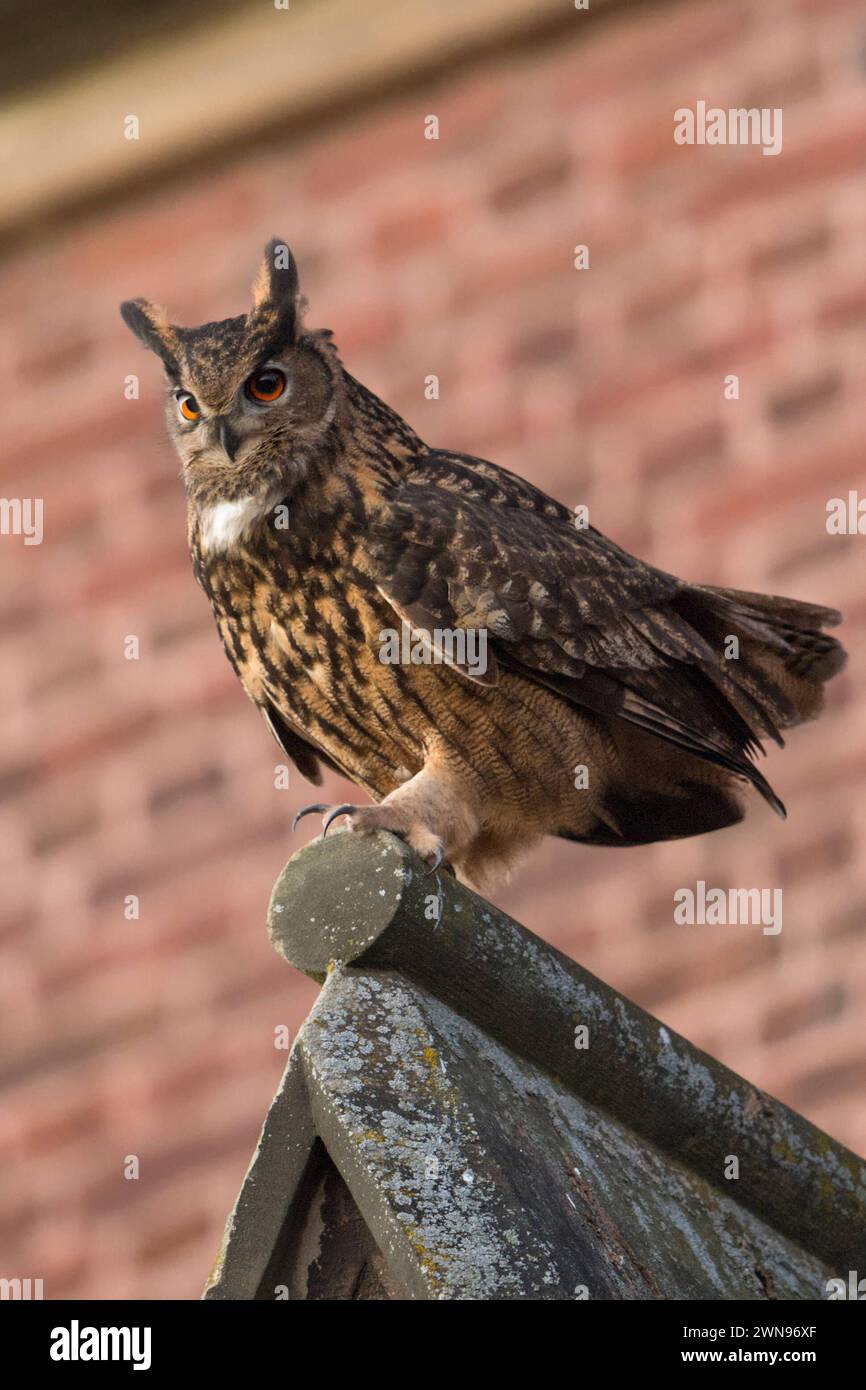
<point>462,543</point>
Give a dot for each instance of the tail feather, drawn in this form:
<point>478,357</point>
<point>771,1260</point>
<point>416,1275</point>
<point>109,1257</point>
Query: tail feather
<point>684,732</point>
<point>785,657</point>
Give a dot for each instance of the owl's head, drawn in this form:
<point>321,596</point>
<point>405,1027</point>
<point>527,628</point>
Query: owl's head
<point>249,398</point>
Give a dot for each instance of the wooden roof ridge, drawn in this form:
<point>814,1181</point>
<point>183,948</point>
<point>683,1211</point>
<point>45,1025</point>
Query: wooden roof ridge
<point>468,1113</point>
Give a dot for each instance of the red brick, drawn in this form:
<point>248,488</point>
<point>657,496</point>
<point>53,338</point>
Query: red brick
<point>409,230</point>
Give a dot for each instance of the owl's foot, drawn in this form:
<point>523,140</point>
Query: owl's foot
<point>435,812</point>
<point>389,816</point>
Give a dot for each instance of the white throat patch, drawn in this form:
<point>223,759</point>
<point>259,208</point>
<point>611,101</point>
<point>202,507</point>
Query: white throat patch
<point>226,523</point>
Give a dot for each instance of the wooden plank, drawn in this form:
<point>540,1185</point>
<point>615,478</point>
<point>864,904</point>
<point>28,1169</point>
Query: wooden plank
<point>450,1168</point>
<point>274,1189</point>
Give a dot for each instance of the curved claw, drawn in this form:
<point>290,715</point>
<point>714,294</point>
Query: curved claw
<point>308,811</point>
<point>337,811</point>
<point>437,859</point>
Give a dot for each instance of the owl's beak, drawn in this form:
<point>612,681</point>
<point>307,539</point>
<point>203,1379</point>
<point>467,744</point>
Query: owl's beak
<point>228,439</point>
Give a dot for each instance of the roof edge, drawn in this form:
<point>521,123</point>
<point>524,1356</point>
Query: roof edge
<point>201,93</point>
<point>370,901</point>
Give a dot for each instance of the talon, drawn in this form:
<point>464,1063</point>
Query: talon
<point>308,811</point>
<point>338,811</point>
<point>437,860</point>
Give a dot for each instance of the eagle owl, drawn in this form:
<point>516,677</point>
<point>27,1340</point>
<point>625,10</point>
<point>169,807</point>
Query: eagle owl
<point>615,705</point>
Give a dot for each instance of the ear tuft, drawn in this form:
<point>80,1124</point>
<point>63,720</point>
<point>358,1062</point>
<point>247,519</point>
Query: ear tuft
<point>150,325</point>
<point>276,288</point>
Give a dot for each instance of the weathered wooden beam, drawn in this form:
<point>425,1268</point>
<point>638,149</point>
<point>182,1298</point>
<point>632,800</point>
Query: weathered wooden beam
<point>369,903</point>
<point>265,1209</point>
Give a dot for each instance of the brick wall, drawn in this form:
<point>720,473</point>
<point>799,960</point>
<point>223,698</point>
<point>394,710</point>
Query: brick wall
<point>154,777</point>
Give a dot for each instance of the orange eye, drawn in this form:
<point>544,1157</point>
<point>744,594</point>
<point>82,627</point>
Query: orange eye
<point>266,386</point>
<point>188,406</point>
